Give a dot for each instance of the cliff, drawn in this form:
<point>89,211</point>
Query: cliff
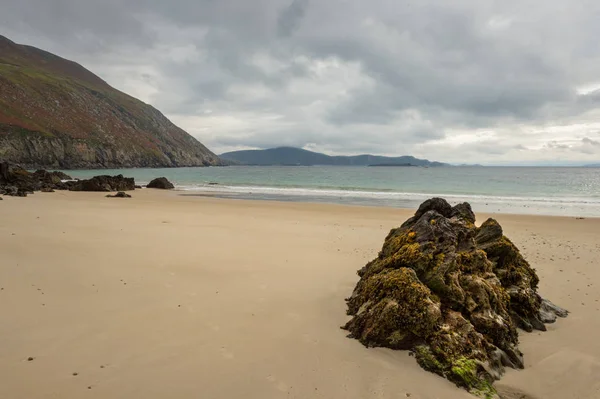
<point>56,114</point>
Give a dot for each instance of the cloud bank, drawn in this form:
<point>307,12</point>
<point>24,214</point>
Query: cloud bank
<point>467,81</point>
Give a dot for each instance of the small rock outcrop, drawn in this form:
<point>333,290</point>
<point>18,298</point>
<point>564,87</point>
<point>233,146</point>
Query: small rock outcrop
<point>16,181</point>
<point>105,183</point>
<point>162,183</point>
<point>120,194</point>
<point>51,177</point>
<point>452,293</point>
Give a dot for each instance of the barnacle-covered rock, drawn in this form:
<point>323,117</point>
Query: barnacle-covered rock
<point>452,293</point>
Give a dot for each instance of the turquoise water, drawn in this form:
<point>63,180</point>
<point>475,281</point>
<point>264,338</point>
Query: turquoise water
<point>552,191</point>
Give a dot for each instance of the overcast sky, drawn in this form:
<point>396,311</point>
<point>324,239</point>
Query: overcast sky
<point>494,82</point>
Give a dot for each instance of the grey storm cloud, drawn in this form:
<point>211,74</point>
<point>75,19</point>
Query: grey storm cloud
<point>291,16</point>
<point>461,81</point>
<point>589,141</point>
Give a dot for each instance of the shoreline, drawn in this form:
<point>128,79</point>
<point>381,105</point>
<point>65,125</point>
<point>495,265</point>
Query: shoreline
<point>398,200</point>
<point>185,193</point>
<point>177,193</point>
<point>163,295</point>
<point>556,191</point>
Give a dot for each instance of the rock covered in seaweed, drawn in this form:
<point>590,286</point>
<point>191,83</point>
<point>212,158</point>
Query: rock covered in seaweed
<point>16,181</point>
<point>162,183</point>
<point>120,194</point>
<point>50,178</point>
<point>105,183</point>
<point>452,293</point>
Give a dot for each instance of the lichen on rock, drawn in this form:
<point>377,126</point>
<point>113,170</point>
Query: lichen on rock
<point>452,293</point>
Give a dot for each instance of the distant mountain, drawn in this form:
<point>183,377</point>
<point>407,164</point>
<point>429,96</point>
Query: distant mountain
<point>594,165</point>
<point>300,157</point>
<point>54,113</point>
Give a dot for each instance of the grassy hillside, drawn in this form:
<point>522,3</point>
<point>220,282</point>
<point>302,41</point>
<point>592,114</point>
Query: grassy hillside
<point>299,156</point>
<point>55,113</point>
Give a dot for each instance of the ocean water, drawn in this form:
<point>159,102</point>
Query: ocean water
<point>520,190</point>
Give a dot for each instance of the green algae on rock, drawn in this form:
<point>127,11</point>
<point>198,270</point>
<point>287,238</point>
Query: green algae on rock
<point>452,293</point>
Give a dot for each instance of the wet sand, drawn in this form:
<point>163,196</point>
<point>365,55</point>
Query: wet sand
<point>186,297</point>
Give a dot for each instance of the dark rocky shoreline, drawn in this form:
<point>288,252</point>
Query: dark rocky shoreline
<point>17,181</point>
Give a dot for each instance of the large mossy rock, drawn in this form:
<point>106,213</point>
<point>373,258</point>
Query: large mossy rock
<point>452,293</point>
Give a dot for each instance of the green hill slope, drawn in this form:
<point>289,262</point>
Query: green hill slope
<point>56,114</point>
<point>298,156</point>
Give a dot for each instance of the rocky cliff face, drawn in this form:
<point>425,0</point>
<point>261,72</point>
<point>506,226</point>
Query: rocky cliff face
<point>56,114</point>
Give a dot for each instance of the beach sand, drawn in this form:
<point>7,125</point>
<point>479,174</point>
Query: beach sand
<point>165,296</point>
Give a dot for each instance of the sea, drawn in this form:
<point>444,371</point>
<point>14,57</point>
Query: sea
<point>566,191</point>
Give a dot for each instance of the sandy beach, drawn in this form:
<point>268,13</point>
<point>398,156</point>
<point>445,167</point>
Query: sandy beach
<point>167,296</point>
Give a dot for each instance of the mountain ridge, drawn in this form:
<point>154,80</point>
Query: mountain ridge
<point>294,156</point>
<point>54,113</point>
